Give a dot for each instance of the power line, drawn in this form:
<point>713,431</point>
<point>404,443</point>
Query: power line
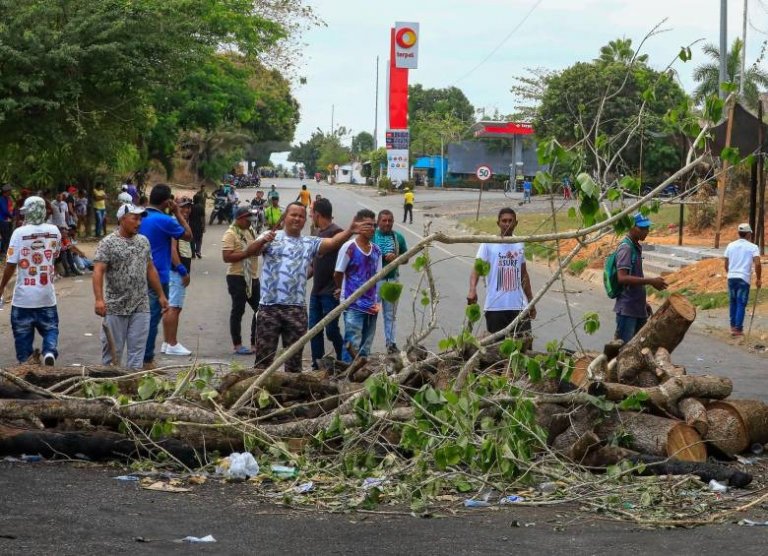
<point>495,50</point>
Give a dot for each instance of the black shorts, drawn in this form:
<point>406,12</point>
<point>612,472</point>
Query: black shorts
<point>498,320</point>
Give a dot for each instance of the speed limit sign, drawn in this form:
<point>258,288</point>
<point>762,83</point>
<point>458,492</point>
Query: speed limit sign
<point>483,173</point>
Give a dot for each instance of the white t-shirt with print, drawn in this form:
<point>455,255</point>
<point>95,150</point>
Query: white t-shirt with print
<point>33,249</point>
<point>504,288</point>
<point>740,255</point>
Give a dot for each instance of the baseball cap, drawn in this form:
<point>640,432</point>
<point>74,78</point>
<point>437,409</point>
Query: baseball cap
<point>242,211</point>
<point>745,227</point>
<point>125,198</point>
<point>128,208</point>
<point>32,202</point>
<point>184,201</point>
<point>642,221</point>
<point>7,187</point>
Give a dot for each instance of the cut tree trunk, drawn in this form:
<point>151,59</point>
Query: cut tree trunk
<point>734,425</point>
<point>306,386</point>
<point>97,445</point>
<point>665,369</point>
<point>665,328</point>
<point>657,436</point>
<point>635,365</point>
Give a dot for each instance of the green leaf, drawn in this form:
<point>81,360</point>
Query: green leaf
<point>147,387</point>
<point>685,53</point>
<point>534,370</point>
<point>730,154</point>
<point>634,402</point>
<point>462,485</point>
<point>473,312</point>
<point>591,322</point>
<point>587,185</point>
<point>713,108</point>
<point>390,291</point>
<point>729,87</point>
<point>482,268</point>
<point>508,347</point>
<point>264,399</point>
<point>572,212</point>
<point>613,194</point>
<point>419,263</point>
<point>447,343</point>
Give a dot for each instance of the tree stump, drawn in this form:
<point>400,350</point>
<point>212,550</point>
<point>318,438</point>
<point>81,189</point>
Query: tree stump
<point>734,425</point>
<point>657,436</point>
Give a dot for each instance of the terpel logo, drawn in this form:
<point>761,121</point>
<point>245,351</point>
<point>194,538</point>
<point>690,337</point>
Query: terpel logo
<point>406,37</point>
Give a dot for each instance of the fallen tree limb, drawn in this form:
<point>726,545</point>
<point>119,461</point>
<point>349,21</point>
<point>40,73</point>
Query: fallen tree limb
<point>666,396</point>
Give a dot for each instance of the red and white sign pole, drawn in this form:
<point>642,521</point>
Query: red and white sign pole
<point>403,55</point>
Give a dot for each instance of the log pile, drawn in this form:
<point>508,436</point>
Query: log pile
<point>682,417</point>
<point>658,416</point>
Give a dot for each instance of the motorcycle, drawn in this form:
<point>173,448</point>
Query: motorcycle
<point>258,218</point>
<point>222,210</point>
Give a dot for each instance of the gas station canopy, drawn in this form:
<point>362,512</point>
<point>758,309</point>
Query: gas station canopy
<point>501,130</point>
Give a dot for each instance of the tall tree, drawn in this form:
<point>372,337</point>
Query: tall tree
<point>78,77</point>
<point>362,142</point>
<point>619,51</point>
<point>708,75</point>
<point>451,100</point>
<point>603,100</point>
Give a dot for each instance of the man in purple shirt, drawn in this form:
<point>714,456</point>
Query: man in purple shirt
<point>631,308</point>
<point>359,259</point>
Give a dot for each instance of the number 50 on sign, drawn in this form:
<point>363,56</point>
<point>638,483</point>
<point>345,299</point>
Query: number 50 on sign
<point>483,173</point>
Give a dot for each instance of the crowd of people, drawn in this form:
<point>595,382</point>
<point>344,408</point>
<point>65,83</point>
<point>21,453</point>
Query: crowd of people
<point>141,271</point>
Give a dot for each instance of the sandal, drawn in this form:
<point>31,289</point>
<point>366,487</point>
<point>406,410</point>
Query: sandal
<point>242,350</point>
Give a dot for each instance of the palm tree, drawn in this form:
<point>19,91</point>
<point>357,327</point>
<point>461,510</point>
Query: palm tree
<point>621,51</point>
<point>708,75</point>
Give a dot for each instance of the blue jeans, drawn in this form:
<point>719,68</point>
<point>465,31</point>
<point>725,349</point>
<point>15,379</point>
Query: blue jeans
<point>738,295</point>
<point>319,306</point>
<point>100,225</point>
<point>359,330</point>
<point>155,314</point>
<point>627,327</point>
<point>24,322</point>
<point>389,313</point>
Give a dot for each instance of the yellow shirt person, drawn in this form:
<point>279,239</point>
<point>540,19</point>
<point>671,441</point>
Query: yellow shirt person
<point>408,198</point>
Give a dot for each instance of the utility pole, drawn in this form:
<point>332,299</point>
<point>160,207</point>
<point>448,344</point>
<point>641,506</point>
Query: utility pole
<point>743,51</point>
<point>376,110</point>
<point>723,46</point>
<point>333,109</point>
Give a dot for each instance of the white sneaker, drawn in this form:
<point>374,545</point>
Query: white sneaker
<point>178,349</point>
<point>164,347</point>
<point>49,359</point>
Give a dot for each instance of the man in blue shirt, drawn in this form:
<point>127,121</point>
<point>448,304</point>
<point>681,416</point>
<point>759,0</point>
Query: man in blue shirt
<point>527,190</point>
<point>160,228</point>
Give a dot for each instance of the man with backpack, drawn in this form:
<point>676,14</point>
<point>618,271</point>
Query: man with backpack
<point>625,282</point>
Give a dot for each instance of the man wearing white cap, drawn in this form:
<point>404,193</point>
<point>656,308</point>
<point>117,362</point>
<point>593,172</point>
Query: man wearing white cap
<point>33,250</point>
<point>124,257</point>
<point>740,256</point>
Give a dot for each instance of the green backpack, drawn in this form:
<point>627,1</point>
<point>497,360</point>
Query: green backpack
<point>611,273</point>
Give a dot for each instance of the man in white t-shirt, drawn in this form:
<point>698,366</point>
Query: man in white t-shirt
<point>33,250</point>
<point>508,286</point>
<point>740,256</point>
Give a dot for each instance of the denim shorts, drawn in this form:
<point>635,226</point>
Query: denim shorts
<point>176,291</point>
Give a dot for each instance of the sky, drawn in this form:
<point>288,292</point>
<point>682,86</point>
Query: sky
<point>339,59</point>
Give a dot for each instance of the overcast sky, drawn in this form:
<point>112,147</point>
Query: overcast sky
<point>339,59</point>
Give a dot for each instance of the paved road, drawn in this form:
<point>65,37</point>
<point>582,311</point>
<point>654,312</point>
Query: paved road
<point>204,327</point>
